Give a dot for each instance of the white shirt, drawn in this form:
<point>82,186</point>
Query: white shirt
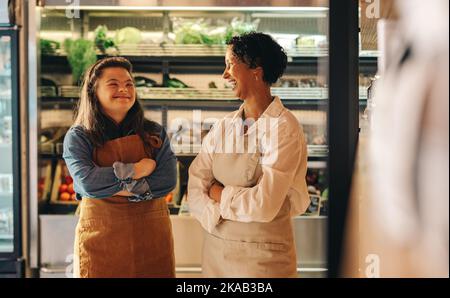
<point>284,166</point>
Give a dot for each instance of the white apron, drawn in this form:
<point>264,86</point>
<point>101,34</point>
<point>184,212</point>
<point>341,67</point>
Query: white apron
<point>237,249</point>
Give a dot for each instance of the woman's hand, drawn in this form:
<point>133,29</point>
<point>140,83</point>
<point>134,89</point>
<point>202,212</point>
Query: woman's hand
<point>143,168</point>
<point>215,191</point>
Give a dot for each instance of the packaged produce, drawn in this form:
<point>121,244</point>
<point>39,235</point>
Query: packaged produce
<point>238,27</point>
<point>190,31</point>
<point>128,35</point>
<point>202,31</point>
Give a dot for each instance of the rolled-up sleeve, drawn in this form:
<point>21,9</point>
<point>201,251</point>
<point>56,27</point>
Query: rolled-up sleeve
<point>204,209</point>
<point>89,179</point>
<point>262,202</point>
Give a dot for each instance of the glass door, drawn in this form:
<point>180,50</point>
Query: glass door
<point>9,233</point>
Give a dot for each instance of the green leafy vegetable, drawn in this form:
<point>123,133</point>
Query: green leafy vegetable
<point>101,40</point>
<point>202,32</point>
<point>80,54</point>
<point>238,27</point>
<point>128,35</point>
<point>173,82</point>
<point>49,47</point>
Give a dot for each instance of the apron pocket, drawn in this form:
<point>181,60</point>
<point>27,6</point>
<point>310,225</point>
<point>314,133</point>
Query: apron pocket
<point>105,250</point>
<point>274,246</point>
<point>237,259</point>
<point>258,245</point>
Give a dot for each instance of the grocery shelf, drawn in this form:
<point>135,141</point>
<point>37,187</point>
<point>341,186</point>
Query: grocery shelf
<point>315,152</point>
<point>228,94</point>
<point>185,104</point>
<point>294,93</point>
<point>307,217</point>
<point>317,164</point>
<point>158,50</point>
<point>208,94</point>
<point>190,97</point>
<point>201,59</point>
<point>200,50</point>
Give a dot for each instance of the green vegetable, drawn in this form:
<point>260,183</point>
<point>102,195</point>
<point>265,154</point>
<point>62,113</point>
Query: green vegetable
<point>101,40</point>
<point>80,54</point>
<point>49,47</point>
<point>217,35</point>
<point>173,82</point>
<point>128,35</point>
<point>201,32</point>
<point>144,82</point>
<point>188,36</point>
<point>189,32</point>
<point>238,27</point>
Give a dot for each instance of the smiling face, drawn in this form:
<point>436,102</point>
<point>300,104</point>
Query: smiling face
<point>239,75</point>
<point>116,92</point>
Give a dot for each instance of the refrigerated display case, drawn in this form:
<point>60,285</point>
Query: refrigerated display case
<point>11,264</point>
<point>179,83</point>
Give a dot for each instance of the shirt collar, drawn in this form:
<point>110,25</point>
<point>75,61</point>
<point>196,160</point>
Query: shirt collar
<point>273,110</point>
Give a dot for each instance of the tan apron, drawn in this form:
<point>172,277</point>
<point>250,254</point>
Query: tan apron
<point>237,249</point>
<point>118,238</point>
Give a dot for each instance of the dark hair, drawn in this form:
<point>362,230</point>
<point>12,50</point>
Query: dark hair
<point>259,49</point>
<point>91,118</point>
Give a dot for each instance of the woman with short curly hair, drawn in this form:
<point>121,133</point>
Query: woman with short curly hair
<point>249,178</point>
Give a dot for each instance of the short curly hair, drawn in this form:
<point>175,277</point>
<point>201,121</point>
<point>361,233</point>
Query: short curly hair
<point>259,49</point>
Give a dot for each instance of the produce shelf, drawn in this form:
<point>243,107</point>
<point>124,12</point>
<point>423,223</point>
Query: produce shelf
<point>146,93</point>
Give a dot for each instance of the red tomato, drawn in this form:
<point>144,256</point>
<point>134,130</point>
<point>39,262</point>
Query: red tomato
<point>68,179</point>
<point>65,196</point>
<point>63,188</point>
<point>70,188</point>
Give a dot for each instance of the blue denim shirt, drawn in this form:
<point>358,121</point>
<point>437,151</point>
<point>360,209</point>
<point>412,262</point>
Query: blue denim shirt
<point>92,181</point>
